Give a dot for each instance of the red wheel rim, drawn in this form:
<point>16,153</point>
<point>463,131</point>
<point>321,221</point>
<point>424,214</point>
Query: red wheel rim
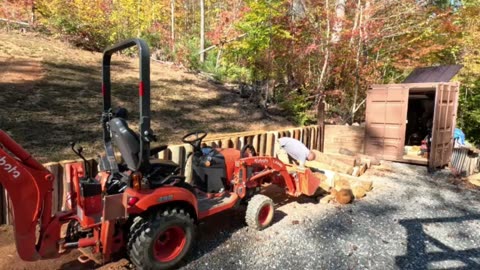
<point>169,244</point>
<point>264,214</point>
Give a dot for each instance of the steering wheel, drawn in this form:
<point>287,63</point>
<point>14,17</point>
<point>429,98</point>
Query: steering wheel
<point>251,153</point>
<point>195,138</point>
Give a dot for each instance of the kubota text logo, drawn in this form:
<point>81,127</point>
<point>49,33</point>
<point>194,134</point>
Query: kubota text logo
<point>9,167</point>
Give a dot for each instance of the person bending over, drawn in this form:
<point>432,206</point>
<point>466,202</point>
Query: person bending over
<point>296,150</point>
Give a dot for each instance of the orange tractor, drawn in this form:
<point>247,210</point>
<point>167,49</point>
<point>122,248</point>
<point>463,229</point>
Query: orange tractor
<point>141,206</point>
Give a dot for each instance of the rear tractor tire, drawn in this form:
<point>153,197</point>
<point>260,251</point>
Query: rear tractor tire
<point>260,212</point>
<point>161,241</point>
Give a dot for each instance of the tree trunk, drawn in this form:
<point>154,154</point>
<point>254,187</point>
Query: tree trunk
<point>202,31</point>
<point>321,88</point>
<point>298,9</point>
<point>139,4</point>
<point>357,69</point>
<point>321,123</point>
<point>172,9</point>
<point>340,16</point>
<point>355,24</point>
<point>327,53</point>
<point>32,17</point>
<point>219,54</point>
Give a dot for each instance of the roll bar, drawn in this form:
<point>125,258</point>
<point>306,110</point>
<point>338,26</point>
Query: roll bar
<point>146,134</point>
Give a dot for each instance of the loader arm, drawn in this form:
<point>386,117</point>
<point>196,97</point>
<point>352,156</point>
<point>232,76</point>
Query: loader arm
<point>302,182</point>
<point>29,186</point>
<point>270,166</point>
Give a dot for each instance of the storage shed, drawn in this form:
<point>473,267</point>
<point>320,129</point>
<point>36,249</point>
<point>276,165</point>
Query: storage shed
<point>412,122</point>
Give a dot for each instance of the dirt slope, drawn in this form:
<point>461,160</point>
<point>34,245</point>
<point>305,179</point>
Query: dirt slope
<point>50,95</point>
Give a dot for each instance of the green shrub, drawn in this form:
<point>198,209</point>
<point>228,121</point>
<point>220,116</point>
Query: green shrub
<point>298,106</point>
<point>469,112</point>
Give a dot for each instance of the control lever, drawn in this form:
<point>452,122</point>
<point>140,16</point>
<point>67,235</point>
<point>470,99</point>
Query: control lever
<point>78,152</point>
<point>149,136</point>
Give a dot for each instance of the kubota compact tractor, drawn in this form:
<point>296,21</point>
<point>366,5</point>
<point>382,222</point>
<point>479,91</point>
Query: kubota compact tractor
<point>141,205</point>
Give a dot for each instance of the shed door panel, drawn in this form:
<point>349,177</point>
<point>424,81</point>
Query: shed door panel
<point>386,116</point>
<point>444,121</point>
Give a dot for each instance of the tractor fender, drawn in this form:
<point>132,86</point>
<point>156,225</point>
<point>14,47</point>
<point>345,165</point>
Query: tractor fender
<point>148,199</point>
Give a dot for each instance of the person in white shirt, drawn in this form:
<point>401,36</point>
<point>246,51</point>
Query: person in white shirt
<point>296,150</point>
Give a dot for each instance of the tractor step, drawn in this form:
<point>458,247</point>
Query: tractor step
<point>210,206</point>
<point>87,253</point>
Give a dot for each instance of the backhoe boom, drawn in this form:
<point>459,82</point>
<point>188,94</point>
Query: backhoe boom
<point>29,186</point>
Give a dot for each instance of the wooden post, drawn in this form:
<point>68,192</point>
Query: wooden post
<point>176,154</point>
<point>321,123</point>
<point>255,143</point>
<point>10,218</point>
<point>57,173</point>
<point>187,171</point>
<point>66,184</point>
<point>270,143</point>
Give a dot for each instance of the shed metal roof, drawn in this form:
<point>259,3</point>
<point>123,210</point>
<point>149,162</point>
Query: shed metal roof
<point>433,74</point>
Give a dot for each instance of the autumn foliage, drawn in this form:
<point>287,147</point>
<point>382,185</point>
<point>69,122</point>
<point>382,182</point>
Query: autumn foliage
<point>297,52</point>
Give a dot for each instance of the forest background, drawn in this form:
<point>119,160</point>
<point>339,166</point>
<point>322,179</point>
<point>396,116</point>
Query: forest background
<point>293,54</point>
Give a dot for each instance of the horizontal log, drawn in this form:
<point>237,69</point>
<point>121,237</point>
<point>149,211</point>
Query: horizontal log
<point>331,165</point>
<point>15,22</point>
<point>338,181</point>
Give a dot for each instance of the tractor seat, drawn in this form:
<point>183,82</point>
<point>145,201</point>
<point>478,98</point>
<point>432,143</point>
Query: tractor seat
<point>128,143</point>
<point>126,140</point>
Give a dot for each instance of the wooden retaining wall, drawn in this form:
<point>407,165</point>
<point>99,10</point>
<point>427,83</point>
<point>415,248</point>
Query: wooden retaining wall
<point>263,141</point>
<point>351,138</point>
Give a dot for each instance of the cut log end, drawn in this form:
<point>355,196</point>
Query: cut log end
<point>343,196</point>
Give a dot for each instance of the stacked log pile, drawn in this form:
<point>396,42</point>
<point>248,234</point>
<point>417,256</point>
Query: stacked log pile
<point>339,175</point>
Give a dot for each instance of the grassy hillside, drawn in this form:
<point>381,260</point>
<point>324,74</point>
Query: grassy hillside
<point>50,95</point>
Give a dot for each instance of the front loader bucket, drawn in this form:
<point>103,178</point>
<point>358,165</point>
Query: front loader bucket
<point>309,183</point>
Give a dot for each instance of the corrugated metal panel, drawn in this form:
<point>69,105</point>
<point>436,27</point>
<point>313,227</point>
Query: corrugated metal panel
<point>444,120</point>
<point>433,74</point>
<point>465,162</point>
<point>386,115</point>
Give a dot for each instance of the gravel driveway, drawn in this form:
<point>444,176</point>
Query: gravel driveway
<point>411,220</point>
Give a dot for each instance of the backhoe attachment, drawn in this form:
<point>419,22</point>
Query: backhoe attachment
<point>29,186</point>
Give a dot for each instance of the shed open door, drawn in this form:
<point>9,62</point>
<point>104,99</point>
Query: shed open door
<point>386,116</point>
<point>444,121</point>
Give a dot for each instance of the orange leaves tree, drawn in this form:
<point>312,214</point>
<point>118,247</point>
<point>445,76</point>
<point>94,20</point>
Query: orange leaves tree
<point>307,52</point>
<point>312,48</point>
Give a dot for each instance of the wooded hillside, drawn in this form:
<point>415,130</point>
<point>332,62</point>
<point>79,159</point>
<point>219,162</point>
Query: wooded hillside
<point>295,54</point>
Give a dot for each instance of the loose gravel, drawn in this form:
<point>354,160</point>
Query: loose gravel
<point>410,220</point>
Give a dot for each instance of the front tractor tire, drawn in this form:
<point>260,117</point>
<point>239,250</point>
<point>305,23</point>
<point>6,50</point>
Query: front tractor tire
<point>260,212</point>
<point>161,241</point>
